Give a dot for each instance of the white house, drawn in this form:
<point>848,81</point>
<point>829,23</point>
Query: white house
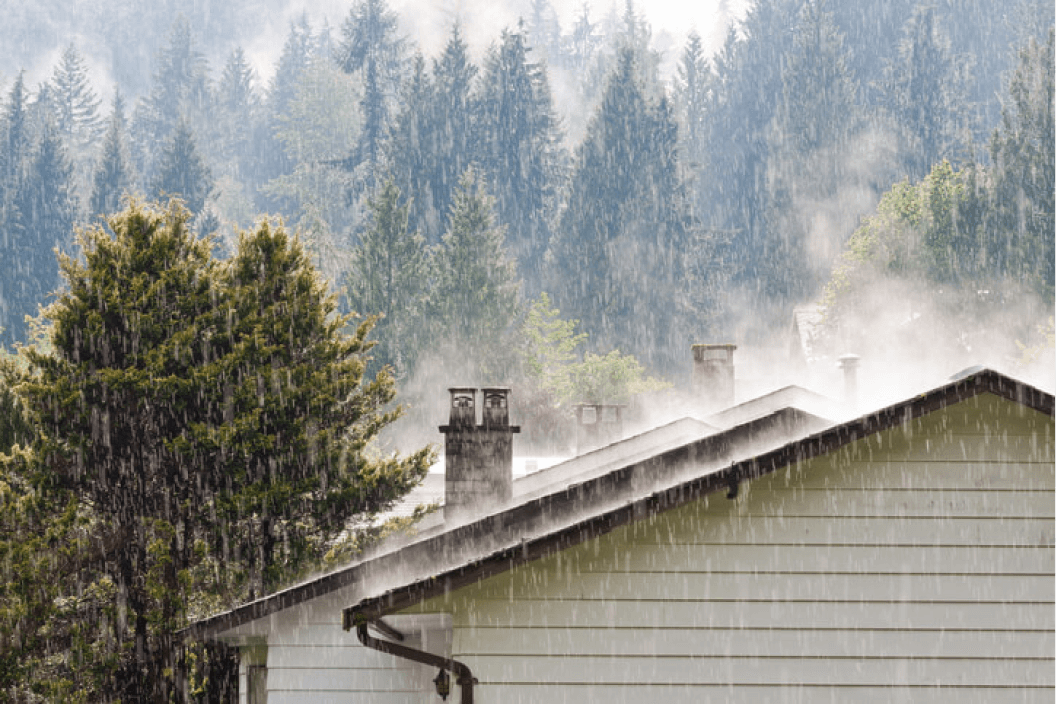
<point>767,554</point>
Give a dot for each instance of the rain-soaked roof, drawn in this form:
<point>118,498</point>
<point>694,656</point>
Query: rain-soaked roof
<point>607,493</point>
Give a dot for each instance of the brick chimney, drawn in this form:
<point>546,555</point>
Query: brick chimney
<point>713,376</point>
<point>478,458</point>
<point>849,364</point>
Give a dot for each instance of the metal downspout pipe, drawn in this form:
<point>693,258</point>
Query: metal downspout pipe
<point>465,677</point>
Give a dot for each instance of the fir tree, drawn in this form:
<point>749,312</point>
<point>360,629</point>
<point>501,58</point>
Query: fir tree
<point>214,418</point>
<point>519,148</point>
<point>1021,229</point>
<point>46,211</point>
<point>113,174</point>
<point>389,278</point>
<point>182,172</point>
<point>476,292</point>
<point>811,143</point>
<point>77,106</point>
<point>924,90</point>
<point>619,259</point>
<point>369,45</point>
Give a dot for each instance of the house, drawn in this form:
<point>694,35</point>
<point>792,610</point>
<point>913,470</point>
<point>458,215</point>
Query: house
<point>765,553</point>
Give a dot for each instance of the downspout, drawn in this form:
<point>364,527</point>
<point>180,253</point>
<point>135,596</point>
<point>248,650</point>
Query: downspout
<point>465,676</point>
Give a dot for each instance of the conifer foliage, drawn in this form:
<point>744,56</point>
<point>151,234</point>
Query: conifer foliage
<point>213,418</point>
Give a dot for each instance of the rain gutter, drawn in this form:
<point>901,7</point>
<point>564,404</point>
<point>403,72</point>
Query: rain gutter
<point>464,679</point>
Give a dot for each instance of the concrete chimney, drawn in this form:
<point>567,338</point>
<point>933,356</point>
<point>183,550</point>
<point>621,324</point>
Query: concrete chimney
<point>597,425</point>
<point>713,376</point>
<point>478,458</point>
<point>849,364</point>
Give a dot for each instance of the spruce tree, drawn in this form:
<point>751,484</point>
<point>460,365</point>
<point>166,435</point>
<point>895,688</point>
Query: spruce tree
<point>182,172</point>
<point>370,45</point>
<point>811,143</point>
<point>213,418</point>
<point>619,260</point>
<point>925,91</point>
<point>389,278</point>
<point>475,297</point>
<point>113,174</point>
<point>519,148</point>
<point>1021,233</point>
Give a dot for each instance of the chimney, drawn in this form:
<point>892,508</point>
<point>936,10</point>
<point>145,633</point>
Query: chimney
<point>713,376</point>
<point>598,425</point>
<point>849,364</point>
<point>478,458</point>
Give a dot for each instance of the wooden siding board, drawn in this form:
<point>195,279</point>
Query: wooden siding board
<point>836,559</point>
<point>567,693</point>
<point>705,586</point>
<point>751,614</point>
<point>673,670</point>
<point>743,642</point>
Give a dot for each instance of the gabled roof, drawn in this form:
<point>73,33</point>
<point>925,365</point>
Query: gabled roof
<point>572,514</point>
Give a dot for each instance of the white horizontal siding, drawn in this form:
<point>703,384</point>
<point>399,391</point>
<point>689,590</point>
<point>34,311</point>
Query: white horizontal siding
<point>915,565</point>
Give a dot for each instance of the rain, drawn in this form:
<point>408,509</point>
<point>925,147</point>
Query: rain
<point>671,294</point>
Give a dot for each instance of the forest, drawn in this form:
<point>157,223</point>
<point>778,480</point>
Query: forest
<point>221,286</point>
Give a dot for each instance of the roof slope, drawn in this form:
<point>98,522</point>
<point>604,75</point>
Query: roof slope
<point>578,512</point>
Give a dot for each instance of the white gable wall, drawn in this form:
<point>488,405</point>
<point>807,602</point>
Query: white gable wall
<point>914,565</point>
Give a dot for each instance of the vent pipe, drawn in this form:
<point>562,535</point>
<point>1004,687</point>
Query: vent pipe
<point>849,364</point>
<point>713,384</point>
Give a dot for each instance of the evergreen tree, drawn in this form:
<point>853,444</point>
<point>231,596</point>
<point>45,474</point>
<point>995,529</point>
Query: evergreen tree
<point>924,90</point>
<point>182,172</point>
<point>77,107</point>
<point>369,45</point>
<point>692,95</point>
<point>476,292</point>
<point>389,277</point>
<point>214,418</point>
<point>619,260</point>
<point>113,174</point>
<point>239,115</point>
<point>46,211</point>
<point>13,155</point>
<point>519,149</point>
<point>1021,228</point>
<point>179,94</point>
<point>732,194</point>
<point>409,150</point>
<point>811,145</point>
<point>453,139</point>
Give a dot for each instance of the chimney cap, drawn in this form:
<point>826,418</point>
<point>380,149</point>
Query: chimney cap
<point>849,361</point>
<point>723,352</point>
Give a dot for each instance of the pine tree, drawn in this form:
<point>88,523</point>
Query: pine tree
<point>77,107</point>
<point>476,293</point>
<point>692,95</point>
<point>409,152</point>
<point>113,174</point>
<point>13,156</point>
<point>925,91</point>
<point>369,45</point>
<point>454,140</point>
<point>46,211</point>
<point>619,260</point>
<point>182,172</point>
<point>389,277</point>
<point>179,94</point>
<point>1021,228</point>
<point>239,117</point>
<point>214,419</point>
<point>811,143</point>
<point>519,149</point>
